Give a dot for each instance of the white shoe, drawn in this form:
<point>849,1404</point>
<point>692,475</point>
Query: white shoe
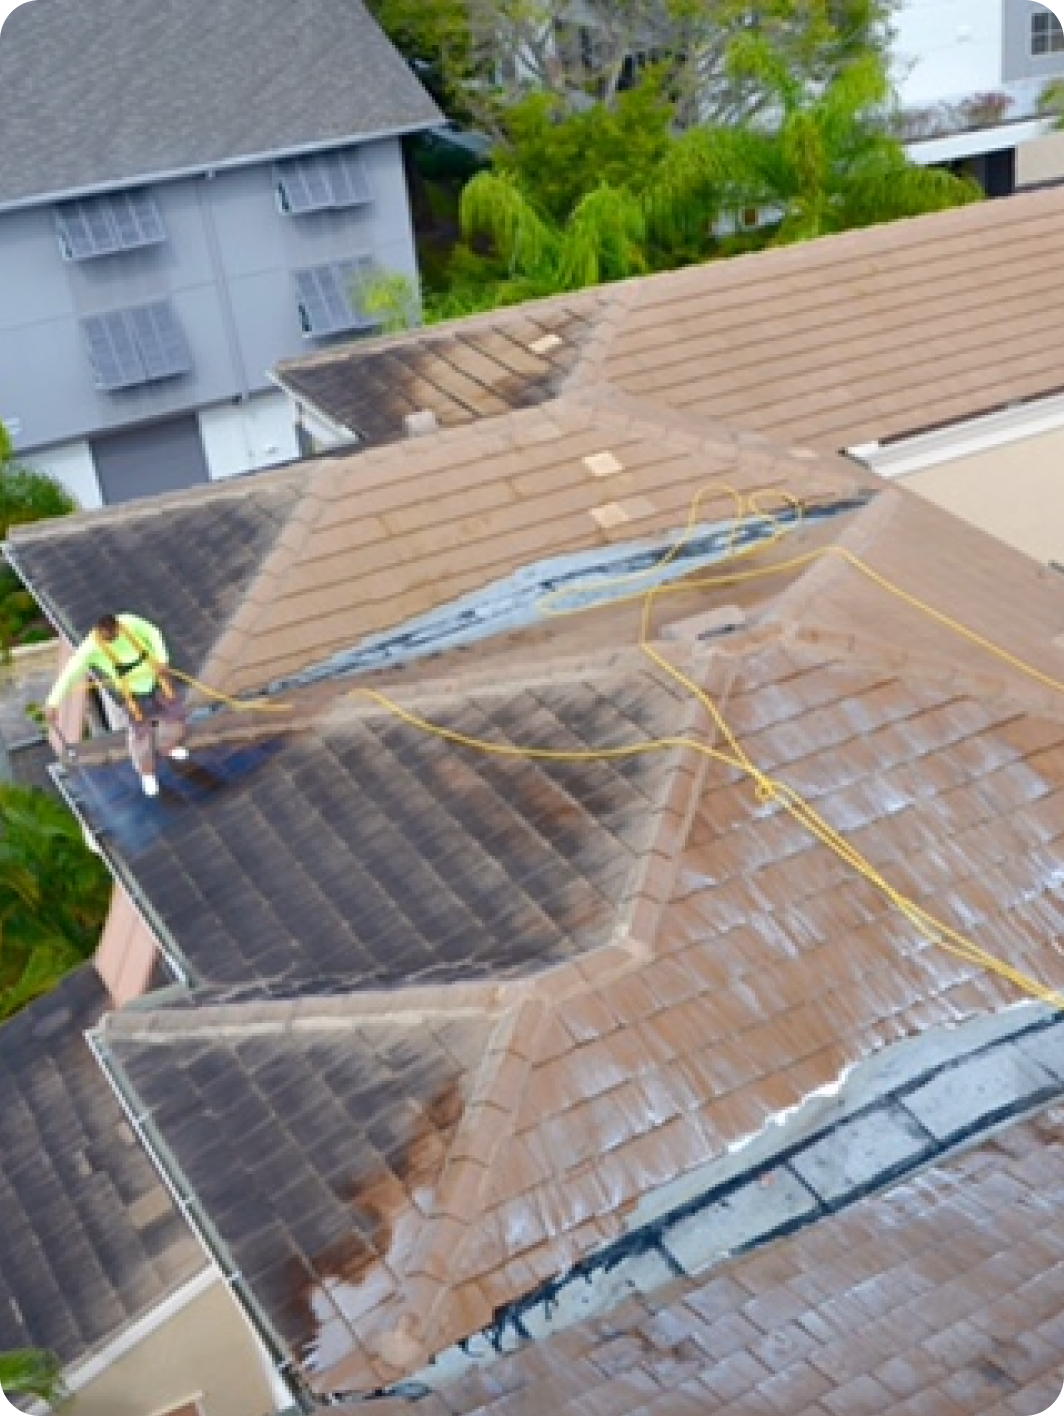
<point>149,785</point>
<point>179,754</point>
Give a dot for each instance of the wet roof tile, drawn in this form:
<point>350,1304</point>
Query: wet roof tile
<point>361,851</point>
<point>307,1141</point>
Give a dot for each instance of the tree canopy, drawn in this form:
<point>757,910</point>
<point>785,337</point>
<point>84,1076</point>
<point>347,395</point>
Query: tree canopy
<point>54,895</point>
<point>608,193</point>
<point>485,55</point>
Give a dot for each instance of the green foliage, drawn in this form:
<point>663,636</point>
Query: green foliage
<point>392,299</point>
<point>556,160</point>
<point>32,1372</point>
<point>54,895</point>
<point>25,496</point>
<point>1051,101</point>
<point>548,217</point>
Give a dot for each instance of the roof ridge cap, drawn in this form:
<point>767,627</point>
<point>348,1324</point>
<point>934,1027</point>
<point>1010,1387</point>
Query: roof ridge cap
<point>334,1012</point>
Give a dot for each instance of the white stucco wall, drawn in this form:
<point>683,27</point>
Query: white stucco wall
<point>945,48</point>
<point>245,436</point>
<point>71,464</point>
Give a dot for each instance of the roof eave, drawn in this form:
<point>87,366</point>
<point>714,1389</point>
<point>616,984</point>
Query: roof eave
<point>208,169</point>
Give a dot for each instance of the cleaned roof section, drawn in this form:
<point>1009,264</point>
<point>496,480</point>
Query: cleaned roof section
<point>96,93</point>
<point>91,1237</point>
<point>859,337</point>
<point>944,1295</point>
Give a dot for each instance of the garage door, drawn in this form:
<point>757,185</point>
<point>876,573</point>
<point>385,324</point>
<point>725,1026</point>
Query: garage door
<point>163,457</point>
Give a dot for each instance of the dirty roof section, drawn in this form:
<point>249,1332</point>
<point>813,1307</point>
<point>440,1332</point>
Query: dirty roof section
<point>359,852</point>
<point>311,1139</point>
<point>832,343</point>
<point>184,562</point>
<point>459,372</point>
<point>91,1238</point>
<point>944,1295</point>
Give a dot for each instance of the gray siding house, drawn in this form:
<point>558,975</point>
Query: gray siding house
<point>189,192</point>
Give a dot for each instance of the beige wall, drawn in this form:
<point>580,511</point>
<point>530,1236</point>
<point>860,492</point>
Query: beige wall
<point>1041,160</point>
<point>1015,492</point>
<point>206,1350</point>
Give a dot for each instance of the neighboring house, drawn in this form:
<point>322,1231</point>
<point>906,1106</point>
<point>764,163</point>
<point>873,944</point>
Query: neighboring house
<point>503,1083</point>
<point>969,76</point>
<point>187,195</point>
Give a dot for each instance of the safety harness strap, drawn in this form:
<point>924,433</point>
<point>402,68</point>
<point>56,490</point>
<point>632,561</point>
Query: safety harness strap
<point>121,670</point>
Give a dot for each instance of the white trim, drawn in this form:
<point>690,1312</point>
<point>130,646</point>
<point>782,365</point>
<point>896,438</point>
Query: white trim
<point>976,141</point>
<point>195,1399</point>
<point>898,459</point>
<point>81,1374</point>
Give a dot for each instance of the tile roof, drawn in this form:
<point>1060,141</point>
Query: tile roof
<point>711,971</point>
<point>942,1297</point>
<point>91,1238</point>
<point>831,343</point>
<point>644,960</point>
<point>110,92</point>
<point>461,372</point>
<point>368,855</point>
<point>311,1139</point>
<point>183,564</point>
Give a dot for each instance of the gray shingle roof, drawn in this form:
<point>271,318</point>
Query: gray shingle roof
<point>91,1238</point>
<point>99,92</point>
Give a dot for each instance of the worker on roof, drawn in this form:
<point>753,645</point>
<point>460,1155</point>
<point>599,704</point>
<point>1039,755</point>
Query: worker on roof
<point>130,655</point>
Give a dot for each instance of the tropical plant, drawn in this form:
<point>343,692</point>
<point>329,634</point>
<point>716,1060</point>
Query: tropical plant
<point>32,1372</point>
<point>54,895</point>
<point>25,495</point>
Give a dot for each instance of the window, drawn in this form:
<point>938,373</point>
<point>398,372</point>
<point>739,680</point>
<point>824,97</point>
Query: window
<point>329,297</point>
<point>100,226</point>
<point>1047,35</point>
<point>136,346</point>
<point>324,182</point>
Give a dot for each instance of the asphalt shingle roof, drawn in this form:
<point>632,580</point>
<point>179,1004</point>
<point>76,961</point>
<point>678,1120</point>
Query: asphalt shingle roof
<point>112,92</point>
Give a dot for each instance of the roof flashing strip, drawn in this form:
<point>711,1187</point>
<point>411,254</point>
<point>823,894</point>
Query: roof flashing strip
<point>896,1113</point>
<point>904,455</point>
<point>573,582</point>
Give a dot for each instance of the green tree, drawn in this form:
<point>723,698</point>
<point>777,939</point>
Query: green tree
<point>32,1372</point>
<point>488,54</point>
<point>25,495</point>
<point>54,895</point>
<point>819,162</point>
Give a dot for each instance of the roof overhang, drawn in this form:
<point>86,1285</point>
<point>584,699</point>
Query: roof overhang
<point>978,140</point>
<point>904,455</point>
<point>208,169</point>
